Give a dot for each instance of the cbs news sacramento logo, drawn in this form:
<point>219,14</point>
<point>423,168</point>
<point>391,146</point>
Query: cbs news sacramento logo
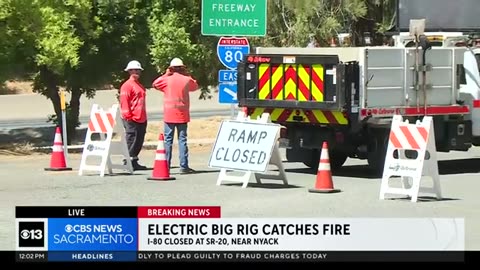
<point>31,234</point>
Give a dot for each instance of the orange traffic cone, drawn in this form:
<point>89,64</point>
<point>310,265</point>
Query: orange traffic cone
<point>160,167</point>
<point>57,161</point>
<point>324,183</point>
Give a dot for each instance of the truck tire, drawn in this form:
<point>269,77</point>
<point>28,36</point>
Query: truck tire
<point>313,159</point>
<point>377,149</point>
<point>337,159</point>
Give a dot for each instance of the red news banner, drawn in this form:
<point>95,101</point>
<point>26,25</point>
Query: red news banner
<point>179,212</point>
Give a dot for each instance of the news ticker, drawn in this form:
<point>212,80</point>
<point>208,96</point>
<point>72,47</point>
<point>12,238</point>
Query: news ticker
<point>199,233</point>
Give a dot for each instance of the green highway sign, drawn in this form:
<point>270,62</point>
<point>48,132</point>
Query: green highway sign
<point>234,17</point>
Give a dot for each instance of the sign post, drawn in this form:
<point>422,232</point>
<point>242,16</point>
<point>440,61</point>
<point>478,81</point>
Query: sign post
<point>64,124</point>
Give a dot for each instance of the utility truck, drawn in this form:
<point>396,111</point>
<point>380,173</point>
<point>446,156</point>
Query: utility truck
<point>347,96</point>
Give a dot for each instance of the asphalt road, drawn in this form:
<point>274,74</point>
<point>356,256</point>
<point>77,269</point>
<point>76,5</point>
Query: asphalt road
<point>32,110</point>
<point>153,116</point>
<point>24,182</point>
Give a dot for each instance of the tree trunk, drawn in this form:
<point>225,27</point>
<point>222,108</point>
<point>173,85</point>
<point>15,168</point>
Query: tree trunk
<point>50,82</point>
<point>74,111</point>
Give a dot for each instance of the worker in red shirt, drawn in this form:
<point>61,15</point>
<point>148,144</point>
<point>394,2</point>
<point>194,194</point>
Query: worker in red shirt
<point>134,115</point>
<point>176,85</point>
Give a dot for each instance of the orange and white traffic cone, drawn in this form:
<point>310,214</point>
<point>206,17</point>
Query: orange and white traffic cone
<point>160,167</point>
<point>57,161</point>
<point>324,182</point>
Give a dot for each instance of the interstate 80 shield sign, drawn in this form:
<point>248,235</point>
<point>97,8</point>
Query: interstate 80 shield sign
<point>231,50</point>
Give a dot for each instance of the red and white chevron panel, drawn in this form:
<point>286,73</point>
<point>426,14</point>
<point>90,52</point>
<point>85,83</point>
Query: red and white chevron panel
<point>405,136</point>
<point>101,122</point>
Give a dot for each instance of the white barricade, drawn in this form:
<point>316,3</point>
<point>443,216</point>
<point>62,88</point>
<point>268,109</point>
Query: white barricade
<point>247,146</point>
<point>419,137</point>
<point>105,123</point>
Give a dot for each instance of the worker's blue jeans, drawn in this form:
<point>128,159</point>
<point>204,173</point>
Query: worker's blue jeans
<point>169,130</point>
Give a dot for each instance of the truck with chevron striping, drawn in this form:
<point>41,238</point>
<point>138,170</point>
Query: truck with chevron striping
<point>347,96</point>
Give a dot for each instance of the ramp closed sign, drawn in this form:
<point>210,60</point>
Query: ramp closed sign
<point>244,146</point>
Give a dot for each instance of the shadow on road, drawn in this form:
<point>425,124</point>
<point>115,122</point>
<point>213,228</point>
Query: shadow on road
<point>357,171</point>
<point>360,171</point>
<point>265,185</point>
<point>195,172</point>
<point>459,166</point>
<point>422,199</point>
<point>37,137</point>
<point>445,167</point>
<point>97,174</point>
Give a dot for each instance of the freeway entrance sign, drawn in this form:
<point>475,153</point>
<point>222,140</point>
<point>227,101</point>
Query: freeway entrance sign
<point>231,50</point>
<point>234,17</point>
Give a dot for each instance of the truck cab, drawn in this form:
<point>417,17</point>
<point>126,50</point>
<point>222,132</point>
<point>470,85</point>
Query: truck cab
<point>436,39</point>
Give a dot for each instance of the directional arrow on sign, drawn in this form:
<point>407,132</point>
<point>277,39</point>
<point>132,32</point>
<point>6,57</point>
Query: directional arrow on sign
<point>227,93</point>
<point>231,93</point>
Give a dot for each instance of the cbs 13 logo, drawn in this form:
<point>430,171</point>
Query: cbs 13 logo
<point>31,234</point>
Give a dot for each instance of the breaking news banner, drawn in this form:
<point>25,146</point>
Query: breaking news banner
<point>199,233</point>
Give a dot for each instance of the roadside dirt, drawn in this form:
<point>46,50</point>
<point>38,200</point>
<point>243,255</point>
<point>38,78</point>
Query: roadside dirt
<point>201,133</point>
<point>206,128</point>
<point>201,136</point>
<point>14,87</point>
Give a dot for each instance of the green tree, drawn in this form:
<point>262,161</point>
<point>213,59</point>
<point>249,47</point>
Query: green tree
<point>379,18</point>
<point>124,37</point>
<point>175,32</point>
<point>78,45</point>
<point>18,25</point>
<point>291,22</point>
<point>6,45</point>
<point>62,38</point>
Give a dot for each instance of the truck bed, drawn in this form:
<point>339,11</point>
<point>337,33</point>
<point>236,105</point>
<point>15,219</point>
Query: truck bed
<point>387,79</point>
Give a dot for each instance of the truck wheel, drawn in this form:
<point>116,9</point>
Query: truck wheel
<point>377,149</point>
<point>313,159</point>
<point>337,159</point>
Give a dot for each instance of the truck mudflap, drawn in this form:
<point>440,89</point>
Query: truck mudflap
<point>301,116</point>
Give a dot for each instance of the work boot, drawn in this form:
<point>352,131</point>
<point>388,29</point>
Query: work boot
<point>138,167</point>
<point>186,170</point>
